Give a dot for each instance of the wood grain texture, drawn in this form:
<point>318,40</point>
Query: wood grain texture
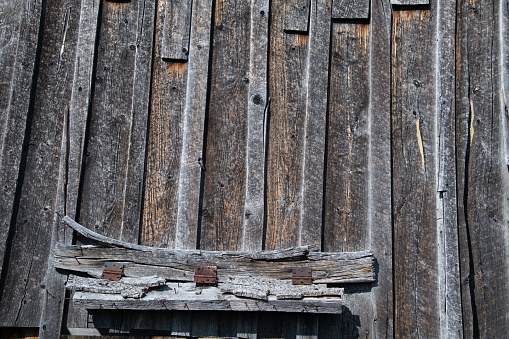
<point>350,9</point>
<point>414,173</point>
<point>164,145</point>
<point>447,223</point>
<point>19,38</point>
<point>176,28</point>
<point>380,175</point>
<point>222,214</point>
<point>346,188</point>
<point>192,160</point>
<point>118,121</point>
<point>296,15</point>
<point>288,57</point>
<point>482,170</point>
<point>315,125</point>
<point>258,104</point>
<point>410,2</point>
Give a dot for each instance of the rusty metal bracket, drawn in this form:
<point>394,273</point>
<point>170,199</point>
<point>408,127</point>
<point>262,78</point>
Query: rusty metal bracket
<point>206,275</point>
<point>301,276</point>
<point>112,271</point>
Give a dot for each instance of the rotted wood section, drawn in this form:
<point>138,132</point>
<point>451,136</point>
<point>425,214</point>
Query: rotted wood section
<point>266,276</point>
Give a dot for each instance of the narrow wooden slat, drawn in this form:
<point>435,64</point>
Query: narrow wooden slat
<point>315,124</point>
<point>347,180</point>
<point>481,156</point>
<point>19,34</point>
<point>410,2</point>
<point>288,57</point>
<point>191,162</point>
<point>350,9</point>
<point>80,99</point>
<point>346,192</point>
<point>258,104</point>
<point>176,28</point>
<point>447,223</point>
<point>164,146</point>
<point>114,124</point>
<point>380,207</point>
<point>209,299</point>
<point>296,15</point>
<point>414,172</point>
<point>222,214</point>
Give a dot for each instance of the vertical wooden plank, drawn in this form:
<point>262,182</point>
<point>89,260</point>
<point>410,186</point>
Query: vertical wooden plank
<point>176,27</point>
<point>258,104</point>
<point>286,131</point>
<point>317,76</point>
<point>346,192</point>
<point>482,170</point>
<point>116,147</point>
<point>225,176</point>
<point>350,9</point>
<point>380,206</point>
<point>347,178</point>
<point>296,15</point>
<point>191,161</point>
<point>164,145</point>
<point>414,181</point>
<point>447,223</point>
<point>19,37</point>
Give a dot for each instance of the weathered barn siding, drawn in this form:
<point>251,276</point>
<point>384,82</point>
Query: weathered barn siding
<point>262,124</point>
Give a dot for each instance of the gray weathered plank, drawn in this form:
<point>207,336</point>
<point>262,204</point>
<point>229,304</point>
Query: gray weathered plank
<point>176,30</point>
<point>414,172</point>
<point>191,161</point>
<point>296,15</point>
<point>19,38</point>
<point>447,223</point>
<point>380,207</point>
<point>224,189</point>
<point>187,297</point>
<point>410,2</point>
<point>315,124</point>
<point>115,150</point>
<point>350,9</point>
<point>482,170</point>
<point>258,104</point>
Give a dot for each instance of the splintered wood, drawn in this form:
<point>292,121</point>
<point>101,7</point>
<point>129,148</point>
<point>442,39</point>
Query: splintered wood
<point>246,280</point>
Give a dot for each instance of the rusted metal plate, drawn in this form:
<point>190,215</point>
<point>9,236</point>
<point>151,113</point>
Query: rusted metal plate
<point>301,276</point>
<point>112,271</point>
<point>205,275</point>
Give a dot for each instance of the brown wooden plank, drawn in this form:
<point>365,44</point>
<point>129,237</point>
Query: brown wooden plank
<point>350,9</point>
<point>380,210</point>
<point>296,15</point>
<point>414,173</point>
<point>164,145</point>
<point>258,104</point>
<point>346,192</point>
<point>222,214</point>
<point>482,171</point>
<point>447,223</point>
<point>288,55</point>
<point>347,178</point>
<point>176,30</point>
<point>19,32</point>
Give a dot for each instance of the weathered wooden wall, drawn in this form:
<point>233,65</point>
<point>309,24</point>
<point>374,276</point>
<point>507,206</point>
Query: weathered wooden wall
<point>262,124</point>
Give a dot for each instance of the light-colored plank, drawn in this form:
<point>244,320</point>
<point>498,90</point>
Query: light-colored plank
<point>296,15</point>
<point>176,27</point>
<point>350,9</point>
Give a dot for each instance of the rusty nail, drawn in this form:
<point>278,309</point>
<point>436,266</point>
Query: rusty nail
<point>77,261</point>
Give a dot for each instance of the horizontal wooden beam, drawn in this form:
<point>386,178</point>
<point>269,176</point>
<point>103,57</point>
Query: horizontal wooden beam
<point>188,297</point>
